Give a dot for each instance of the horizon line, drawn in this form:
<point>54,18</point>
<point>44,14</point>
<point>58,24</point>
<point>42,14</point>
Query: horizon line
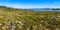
<point>28,7</point>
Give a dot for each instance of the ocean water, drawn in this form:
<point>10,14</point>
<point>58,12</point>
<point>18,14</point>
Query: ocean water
<point>47,10</point>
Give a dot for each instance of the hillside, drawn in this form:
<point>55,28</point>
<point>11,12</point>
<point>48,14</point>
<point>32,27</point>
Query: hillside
<point>25,19</point>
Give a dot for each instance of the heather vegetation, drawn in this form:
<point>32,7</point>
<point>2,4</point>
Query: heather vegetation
<point>23,19</point>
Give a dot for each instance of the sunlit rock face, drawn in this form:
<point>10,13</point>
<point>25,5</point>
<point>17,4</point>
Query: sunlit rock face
<point>59,16</point>
<point>12,25</point>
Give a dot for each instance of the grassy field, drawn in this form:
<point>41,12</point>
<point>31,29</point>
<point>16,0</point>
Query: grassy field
<point>28,20</point>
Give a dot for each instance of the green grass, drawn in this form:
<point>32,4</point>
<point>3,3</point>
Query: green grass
<point>31,17</point>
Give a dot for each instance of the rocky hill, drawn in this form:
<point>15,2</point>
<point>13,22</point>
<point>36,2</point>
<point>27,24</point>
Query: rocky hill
<point>25,19</point>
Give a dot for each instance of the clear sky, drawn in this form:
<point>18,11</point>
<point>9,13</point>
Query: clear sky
<point>31,3</point>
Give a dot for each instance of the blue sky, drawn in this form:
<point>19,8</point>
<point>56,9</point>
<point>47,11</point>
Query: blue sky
<point>31,3</point>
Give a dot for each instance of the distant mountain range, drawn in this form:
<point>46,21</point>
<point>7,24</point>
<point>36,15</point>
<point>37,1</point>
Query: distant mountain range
<point>45,9</point>
<point>37,9</point>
